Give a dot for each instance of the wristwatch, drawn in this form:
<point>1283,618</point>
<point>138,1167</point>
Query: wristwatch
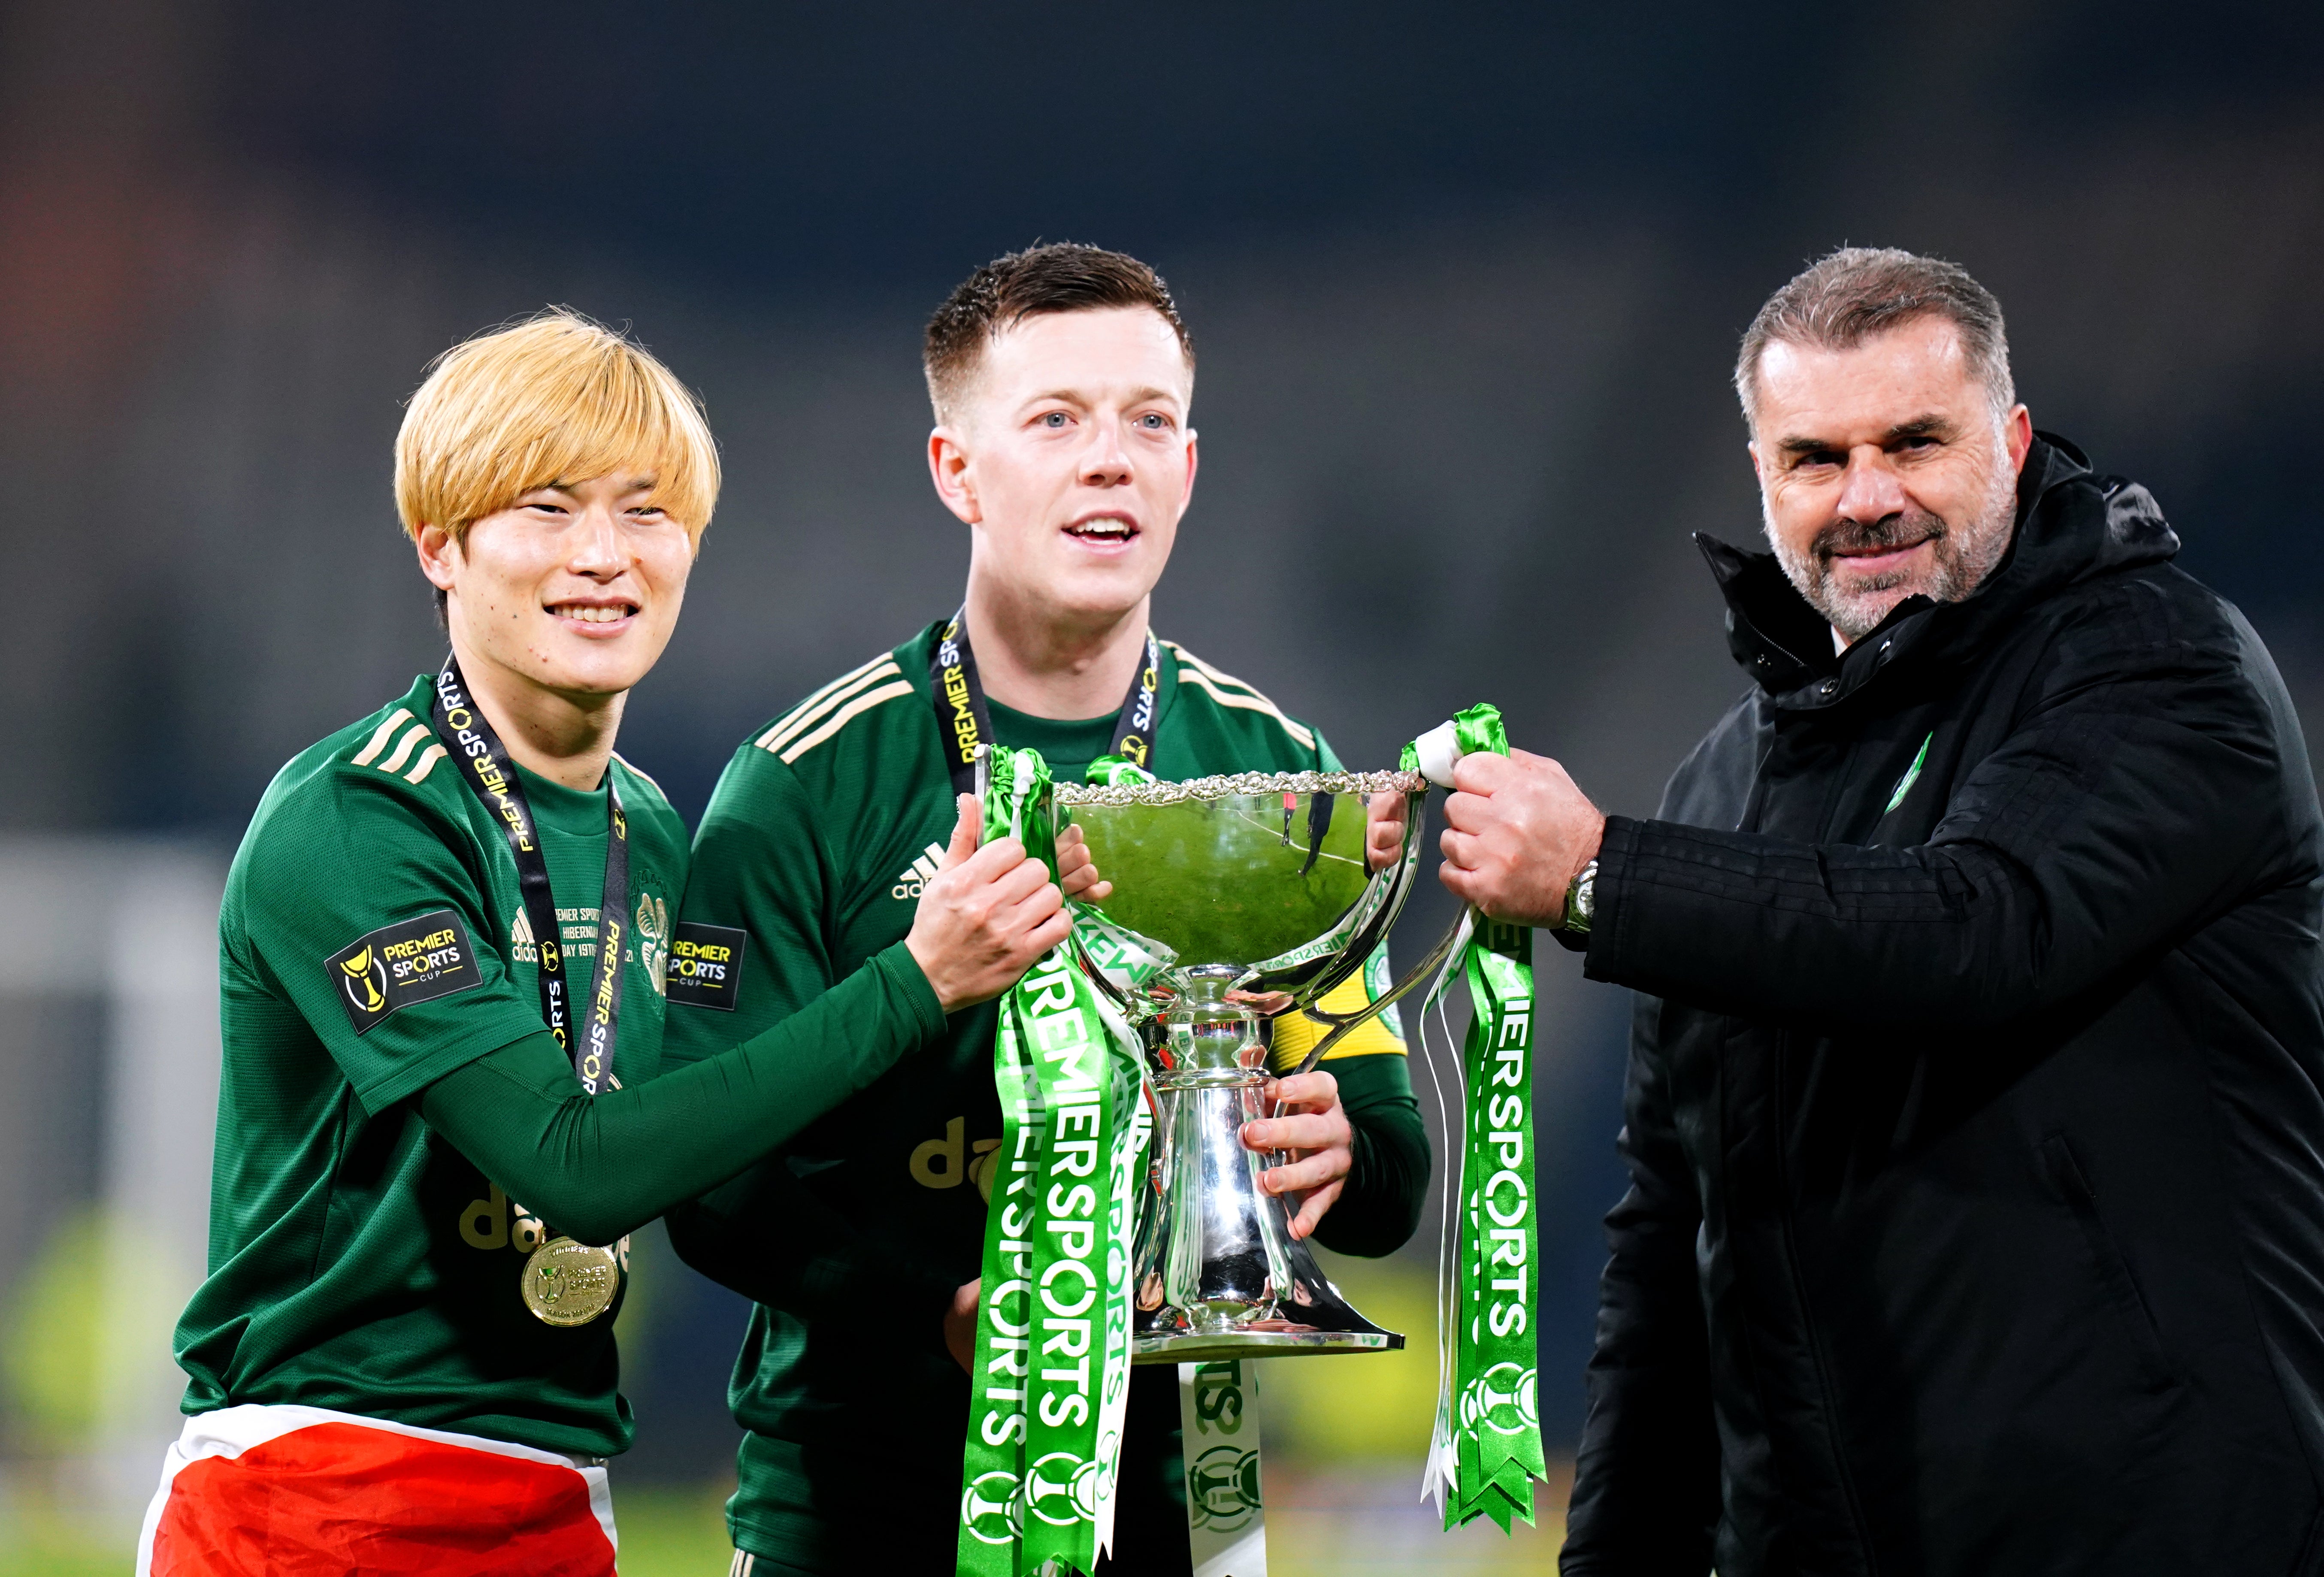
<point>1581,901</point>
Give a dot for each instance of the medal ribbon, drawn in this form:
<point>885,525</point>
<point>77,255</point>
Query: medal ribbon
<point>1487,1450</point>
<point>963,722</point>
<point>492,776</point>
<point>1051,1376</point>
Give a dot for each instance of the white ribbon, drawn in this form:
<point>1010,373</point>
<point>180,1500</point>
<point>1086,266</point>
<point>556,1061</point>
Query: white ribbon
<point>1438,750</point>
<point>1437,1477</point>
<point>1218,1423</point>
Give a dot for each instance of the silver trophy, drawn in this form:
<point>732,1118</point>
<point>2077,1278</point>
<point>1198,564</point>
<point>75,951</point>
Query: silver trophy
<point>1237,900</point>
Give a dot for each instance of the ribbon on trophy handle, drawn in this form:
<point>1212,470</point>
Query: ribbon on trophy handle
<point>1051,1376</point>
<point>1486,1451</point>
<point>1117,770</point>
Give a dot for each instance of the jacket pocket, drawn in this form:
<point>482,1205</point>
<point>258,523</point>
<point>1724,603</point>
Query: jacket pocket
<point>2073,1186</point>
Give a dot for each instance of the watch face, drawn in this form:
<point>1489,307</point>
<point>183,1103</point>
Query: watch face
<point>1581,898</point>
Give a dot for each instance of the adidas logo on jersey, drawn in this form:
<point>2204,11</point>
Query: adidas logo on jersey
<point>909,883</point>
<point>397,759</point>
<point>521,946</point>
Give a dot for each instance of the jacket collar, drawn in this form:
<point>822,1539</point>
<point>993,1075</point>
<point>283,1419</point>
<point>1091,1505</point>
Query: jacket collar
<point>2071,524</point>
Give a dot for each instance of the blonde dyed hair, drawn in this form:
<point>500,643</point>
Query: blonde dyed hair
<point>554,398</point>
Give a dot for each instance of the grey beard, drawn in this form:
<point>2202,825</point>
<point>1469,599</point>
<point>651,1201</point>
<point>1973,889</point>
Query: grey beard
<point>1963,555</point>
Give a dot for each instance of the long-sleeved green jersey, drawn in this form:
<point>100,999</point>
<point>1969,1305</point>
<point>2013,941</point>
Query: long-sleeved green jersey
<point>809,859</point>
<point>390,1093</point>
<point>371,943</point>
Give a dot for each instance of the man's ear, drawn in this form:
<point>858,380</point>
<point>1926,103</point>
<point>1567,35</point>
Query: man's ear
<point>439,556</point>
<point>1757,470</point>
<point>2017,432</point>
<point>948,469</point>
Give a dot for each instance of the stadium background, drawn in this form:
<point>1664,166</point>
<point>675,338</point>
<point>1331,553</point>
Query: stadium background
<point>1466,281</point>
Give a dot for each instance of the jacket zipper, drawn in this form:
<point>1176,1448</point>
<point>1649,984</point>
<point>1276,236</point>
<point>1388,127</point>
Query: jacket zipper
<point>1828,1402</point>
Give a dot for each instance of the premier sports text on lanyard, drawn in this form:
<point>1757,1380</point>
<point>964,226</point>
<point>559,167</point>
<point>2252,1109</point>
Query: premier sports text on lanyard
<point>963,722</point>
<point>493,777</point>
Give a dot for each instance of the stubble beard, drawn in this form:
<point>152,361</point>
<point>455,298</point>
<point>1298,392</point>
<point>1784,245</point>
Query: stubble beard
<point>1961,555</point>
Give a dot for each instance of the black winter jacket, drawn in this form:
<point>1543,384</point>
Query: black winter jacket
<point>1977,1216</point>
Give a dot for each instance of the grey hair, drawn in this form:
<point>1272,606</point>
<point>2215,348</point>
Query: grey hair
<point>1847,297</point>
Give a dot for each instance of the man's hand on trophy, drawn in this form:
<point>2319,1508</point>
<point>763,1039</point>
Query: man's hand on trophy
<point>984,916</point>
<point>1076,872</point>
<point>1518,832</point>
<point>960,1323</point>
<point>1384,823</point>
<point>1314,1130</point>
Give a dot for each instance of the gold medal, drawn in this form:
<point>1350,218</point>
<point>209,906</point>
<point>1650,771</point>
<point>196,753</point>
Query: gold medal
<point>567,1283</point>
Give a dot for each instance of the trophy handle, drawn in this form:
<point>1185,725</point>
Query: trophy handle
<point>1345,1024</point>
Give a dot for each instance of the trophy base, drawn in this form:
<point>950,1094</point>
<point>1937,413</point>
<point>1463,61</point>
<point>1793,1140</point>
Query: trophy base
<point>1312,1322</point>
<point>1227,1346</point>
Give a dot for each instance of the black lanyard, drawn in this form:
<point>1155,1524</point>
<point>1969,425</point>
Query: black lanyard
<point>963,722</point>
<point>493,776</point>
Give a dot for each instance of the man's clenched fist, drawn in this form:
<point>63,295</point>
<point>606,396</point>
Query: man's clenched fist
<point>1518,833</point>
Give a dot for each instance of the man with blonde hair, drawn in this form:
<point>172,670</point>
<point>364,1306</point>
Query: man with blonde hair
<point>444,946</point>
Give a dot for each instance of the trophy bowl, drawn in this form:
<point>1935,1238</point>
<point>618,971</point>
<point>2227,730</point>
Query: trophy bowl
<point>1237,900</point>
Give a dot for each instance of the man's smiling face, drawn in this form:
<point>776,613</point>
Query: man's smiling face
<point>1884,471</point>
<point>574,588</point>
<point>1071,455</point>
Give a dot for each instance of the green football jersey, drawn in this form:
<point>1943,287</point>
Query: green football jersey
<point>814,846</point>
<point>371,941</point>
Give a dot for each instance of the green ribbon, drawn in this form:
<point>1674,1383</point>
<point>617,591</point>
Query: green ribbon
<point>1118,771</point>
<point>1488,1452</point>
<point>1051,1376</point>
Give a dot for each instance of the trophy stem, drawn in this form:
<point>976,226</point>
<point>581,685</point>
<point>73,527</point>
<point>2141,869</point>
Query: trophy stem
<point>1224,1260</point>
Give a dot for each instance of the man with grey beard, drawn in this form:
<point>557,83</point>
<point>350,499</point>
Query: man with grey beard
<point>1975,1218</point>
